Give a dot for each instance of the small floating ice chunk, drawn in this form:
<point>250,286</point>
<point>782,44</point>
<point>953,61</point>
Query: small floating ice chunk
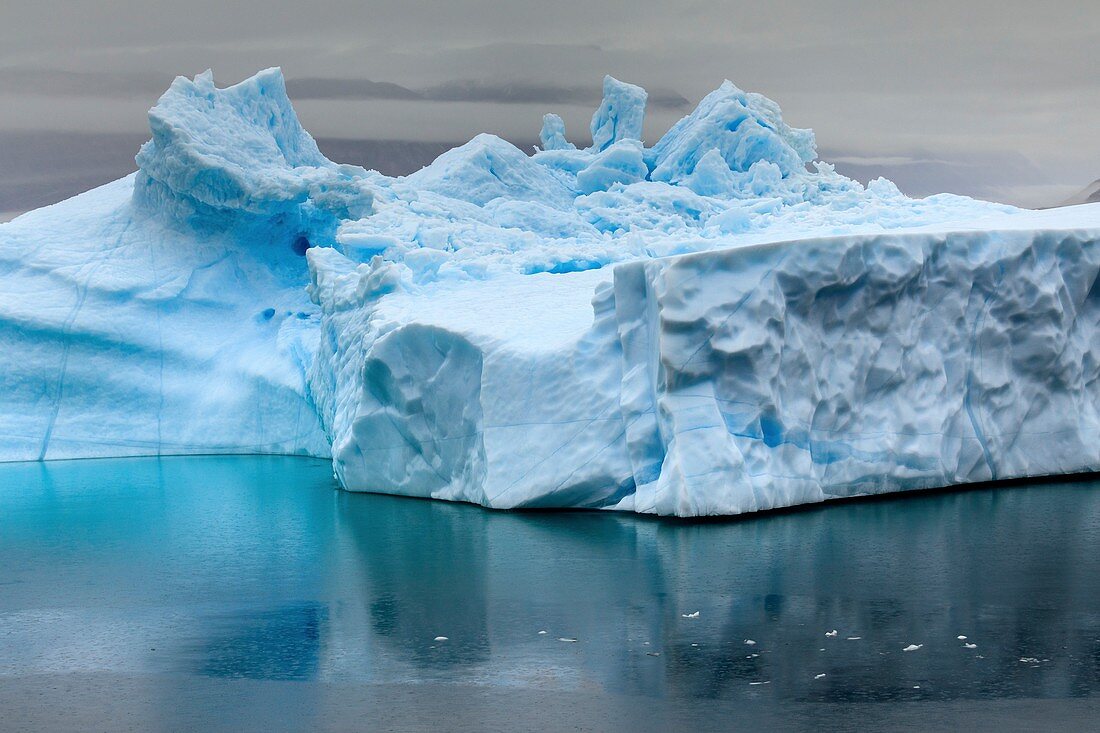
<point>819,676</point>
<point>831,633</point>
<point>1029,660</point>
<point>750,642</point>
<point>765,682</point>
<point>542,633</point>
<point>854,638</point>
<point>440,638</point>
<point>912,647</point>
<point>961,638</point>
<point>971,646</point>
<point>566,638</point>
<point>694,614</point>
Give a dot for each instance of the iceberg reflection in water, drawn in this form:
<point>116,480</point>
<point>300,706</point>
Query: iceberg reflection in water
<point>257,568</point>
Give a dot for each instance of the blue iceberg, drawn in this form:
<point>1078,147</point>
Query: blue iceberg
<point>718,323</point>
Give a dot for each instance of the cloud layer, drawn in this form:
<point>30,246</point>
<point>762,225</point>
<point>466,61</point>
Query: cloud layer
<point>938,80</point>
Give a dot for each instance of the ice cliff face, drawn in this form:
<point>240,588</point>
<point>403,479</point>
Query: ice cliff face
<point>705,326</point>
<point>726,381</point>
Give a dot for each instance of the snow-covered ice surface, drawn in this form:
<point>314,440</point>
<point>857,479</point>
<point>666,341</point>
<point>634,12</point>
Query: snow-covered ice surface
<point>714,324</point>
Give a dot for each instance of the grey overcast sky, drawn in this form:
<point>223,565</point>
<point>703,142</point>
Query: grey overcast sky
<point>994,98</point>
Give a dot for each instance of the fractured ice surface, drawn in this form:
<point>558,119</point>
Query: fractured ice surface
<point>715,324</point>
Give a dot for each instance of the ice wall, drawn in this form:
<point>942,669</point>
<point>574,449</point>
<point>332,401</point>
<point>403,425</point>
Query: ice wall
<point>785,374</point>
<point>734,380</point>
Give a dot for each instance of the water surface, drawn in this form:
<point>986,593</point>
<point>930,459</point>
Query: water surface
<point>161,584</point>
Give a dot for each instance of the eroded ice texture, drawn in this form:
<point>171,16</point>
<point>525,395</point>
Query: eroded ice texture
<point>620,115</point>
<point>715,324</point>
<point>552,135</point>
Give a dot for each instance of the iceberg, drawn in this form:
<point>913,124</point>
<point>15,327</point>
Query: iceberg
<point>715,324</point>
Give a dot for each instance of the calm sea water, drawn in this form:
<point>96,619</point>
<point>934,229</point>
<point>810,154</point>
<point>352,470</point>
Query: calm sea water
<point>135,587</point>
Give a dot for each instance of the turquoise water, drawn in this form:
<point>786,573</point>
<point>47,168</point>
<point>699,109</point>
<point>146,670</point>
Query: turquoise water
<point>229,568</point>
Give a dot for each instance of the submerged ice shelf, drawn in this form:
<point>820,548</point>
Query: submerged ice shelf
<point>714,324</point>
